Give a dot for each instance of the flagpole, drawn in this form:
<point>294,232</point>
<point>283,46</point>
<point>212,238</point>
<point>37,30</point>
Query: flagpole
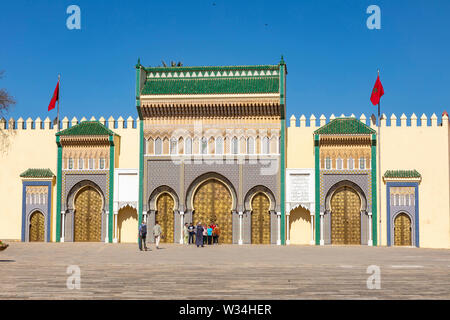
<point>59,89</point>
<point>379,169</point>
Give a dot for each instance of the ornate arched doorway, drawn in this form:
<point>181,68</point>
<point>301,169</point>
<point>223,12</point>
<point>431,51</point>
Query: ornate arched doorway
<point>127,224</point>
<point>213,204</point>
<point>260,219</point>
<point>165,216</point>
<point>88,215</point>
<point>345,216</point>
<point>37,227</point>
<point>402,230</point>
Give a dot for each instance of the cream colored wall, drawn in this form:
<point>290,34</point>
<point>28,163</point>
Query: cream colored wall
<point>300,144</point>
<point>424,148</point>
<point>128,154</point>
<point>21,149</point>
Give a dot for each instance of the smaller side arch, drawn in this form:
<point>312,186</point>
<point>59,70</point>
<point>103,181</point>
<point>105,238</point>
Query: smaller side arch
<point>412,226</point>
<point>39,232</point>
<point>157,192</point>
<point>254,191</point>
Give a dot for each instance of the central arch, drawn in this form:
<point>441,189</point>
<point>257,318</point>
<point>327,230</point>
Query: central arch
<point>88,205</point>
<point>345,216</point>
<point>212,203</point>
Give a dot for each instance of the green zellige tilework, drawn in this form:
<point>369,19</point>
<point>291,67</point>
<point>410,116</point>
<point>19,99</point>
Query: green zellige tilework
<point>87,128</point>
<point>402,174</point>
<point>37,173</point>
<point>345,126</point>
<point>211,85</point>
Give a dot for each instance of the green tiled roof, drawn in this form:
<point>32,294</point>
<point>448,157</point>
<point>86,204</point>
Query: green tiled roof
<point>345,126</point>
<point>212,85</point>
<point>402,174</point>
<point>37,173</point>
<point>87,128</point>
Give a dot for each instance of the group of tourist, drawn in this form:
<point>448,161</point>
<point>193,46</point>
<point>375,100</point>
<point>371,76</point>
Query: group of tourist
<point>203,234</point>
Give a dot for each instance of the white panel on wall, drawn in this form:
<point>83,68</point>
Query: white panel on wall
<point>128,187</point>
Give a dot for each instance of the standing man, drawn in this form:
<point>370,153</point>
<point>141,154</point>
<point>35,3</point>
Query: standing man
<point>186,233</point>
<point>142,236</point>
<point>157,233</point>
<point>191,233</point>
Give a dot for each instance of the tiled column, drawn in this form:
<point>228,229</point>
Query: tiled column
<point>116,232</point>
<point>279,228</point>
<point>288,240</point>
<point>182,227</point>
<point>63,225</point>
<point>312,242</point>
<point>370,241</point>
<point>240,227</point>
<point>322,242</point>
<point>107,226</point>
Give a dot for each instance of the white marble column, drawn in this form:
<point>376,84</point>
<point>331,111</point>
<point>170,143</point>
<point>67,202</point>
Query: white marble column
<point>116,232</point>
<point>182,227</point>
<point>241,216</point>
<point>107,226</point>
<point>312,242</point>
<point>144,216</point>
<point>370,241</point>
<point>63,225</point>
<point>279,228</point>
<point>322,242</point>
<point>288,239</point>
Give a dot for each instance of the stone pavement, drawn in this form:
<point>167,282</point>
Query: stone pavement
<point>121,271</point>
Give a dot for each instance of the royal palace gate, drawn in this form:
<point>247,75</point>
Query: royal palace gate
<point>211,149</point>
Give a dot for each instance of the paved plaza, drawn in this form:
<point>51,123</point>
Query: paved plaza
<point>120,271</point>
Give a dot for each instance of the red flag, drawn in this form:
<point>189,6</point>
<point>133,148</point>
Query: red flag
<point>377,92</point>
<point>54,98</point>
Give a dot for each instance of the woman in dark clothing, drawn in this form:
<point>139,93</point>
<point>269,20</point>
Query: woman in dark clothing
<point>199,235</point>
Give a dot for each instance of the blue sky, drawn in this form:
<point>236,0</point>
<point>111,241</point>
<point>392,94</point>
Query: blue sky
<point>331,55</point>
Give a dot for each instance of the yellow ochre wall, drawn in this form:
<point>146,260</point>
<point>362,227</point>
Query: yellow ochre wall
<point>21,149</point>
<point>406,144</point>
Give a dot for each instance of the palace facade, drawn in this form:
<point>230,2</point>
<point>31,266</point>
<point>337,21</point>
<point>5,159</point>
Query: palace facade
<point>211,145</point>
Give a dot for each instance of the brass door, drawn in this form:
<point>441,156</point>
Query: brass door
<point>402,230</point>
<point>88,216</point>
<point>345,217</point>
<point>165,216</point>
<point>212,204</point>
<point>260,219</point>
<point>37,227</point>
